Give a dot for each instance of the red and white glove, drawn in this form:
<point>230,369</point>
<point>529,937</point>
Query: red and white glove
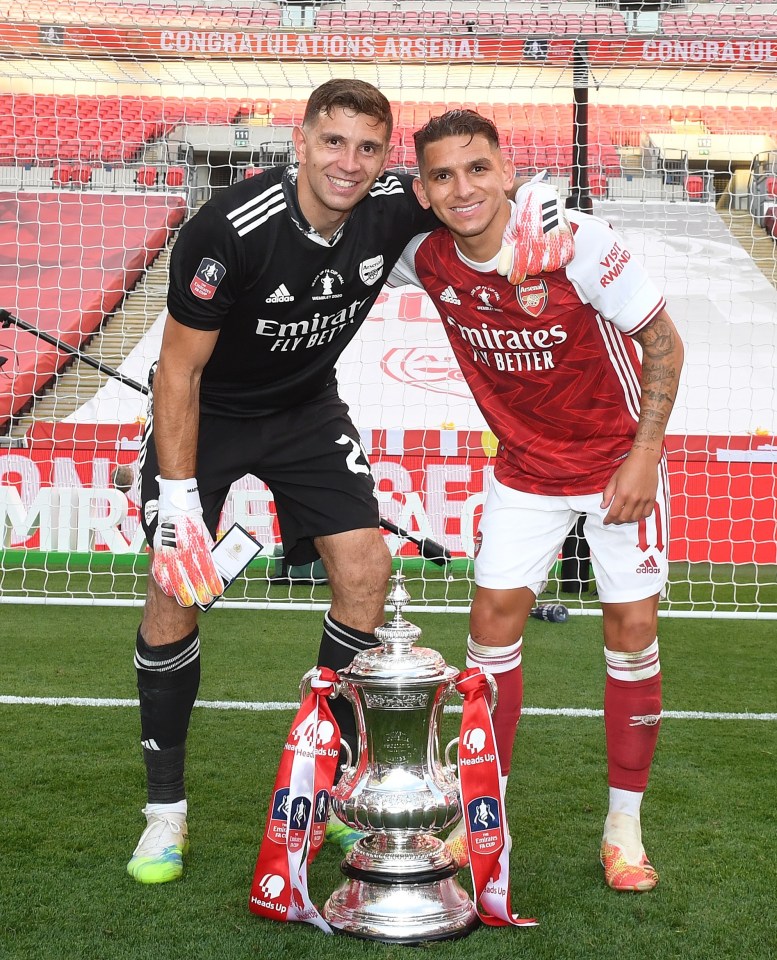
<point>538,237</point>
<point>183,566</point>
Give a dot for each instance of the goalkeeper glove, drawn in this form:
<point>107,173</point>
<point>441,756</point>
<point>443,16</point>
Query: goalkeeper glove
<point>538,236</point>
<point>183,566</point>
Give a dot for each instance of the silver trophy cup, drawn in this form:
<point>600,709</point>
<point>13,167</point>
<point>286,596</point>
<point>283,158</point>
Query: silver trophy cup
<point>401,882</point>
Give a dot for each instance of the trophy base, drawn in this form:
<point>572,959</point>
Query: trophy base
<point>405,913</point>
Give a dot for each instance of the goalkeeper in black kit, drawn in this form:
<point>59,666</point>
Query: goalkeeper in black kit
<point>269,282</point>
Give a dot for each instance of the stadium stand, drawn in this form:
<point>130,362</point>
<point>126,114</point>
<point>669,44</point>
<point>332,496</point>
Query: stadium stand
<point>190,16</point>
<point>367,20</point>
<point>723,21</point>
<point>105,128</point>
<point>66,261</point>
<point>75,133</point>
<point>718,24</point>
<point>483,23</point>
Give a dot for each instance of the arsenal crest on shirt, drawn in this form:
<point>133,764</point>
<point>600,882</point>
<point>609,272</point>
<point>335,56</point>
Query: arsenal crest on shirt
<point>532,295</point>
<point>371,270</point>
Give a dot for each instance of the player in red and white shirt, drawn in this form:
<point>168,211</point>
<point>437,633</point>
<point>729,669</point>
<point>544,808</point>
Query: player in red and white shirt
<point>553,366</point>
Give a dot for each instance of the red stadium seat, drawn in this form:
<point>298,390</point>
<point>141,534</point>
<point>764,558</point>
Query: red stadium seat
<point>175,177</point>
<point>252,172</point>
<point>287,112</point>
<point>146,177</point>
<point>771,186</point>
<point>255,108</point>
<point>61,176</point>
<point>82,175</point>
<point>693,114</point>
<point>694,187</point>
<point>597,185</point>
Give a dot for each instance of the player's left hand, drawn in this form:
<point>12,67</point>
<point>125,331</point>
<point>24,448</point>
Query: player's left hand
<point>183,565</point>
<point>631,493</point>
<point>538,237</point>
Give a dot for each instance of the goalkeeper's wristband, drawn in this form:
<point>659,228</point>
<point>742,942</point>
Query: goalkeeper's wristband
<point>178,496</point>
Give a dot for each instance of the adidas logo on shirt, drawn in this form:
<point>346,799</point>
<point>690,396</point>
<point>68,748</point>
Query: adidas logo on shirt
<point>449,296</point>
<point>648,566</point>
<point>281,295</point>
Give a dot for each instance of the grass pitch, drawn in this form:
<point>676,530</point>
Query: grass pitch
<point>72,787</point>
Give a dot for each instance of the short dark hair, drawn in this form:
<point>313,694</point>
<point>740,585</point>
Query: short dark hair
<point>356,95</point>
<point>454,123</point>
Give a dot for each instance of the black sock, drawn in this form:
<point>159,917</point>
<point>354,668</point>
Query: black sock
<point>165,774</point>
<point>339,645</point>
<point>168,680</point>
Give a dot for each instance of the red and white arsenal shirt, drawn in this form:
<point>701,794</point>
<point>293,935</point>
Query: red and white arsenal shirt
<point>551,362</point>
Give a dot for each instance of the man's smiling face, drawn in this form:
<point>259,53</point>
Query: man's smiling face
<point>463,179</point>
<point>340,156</point>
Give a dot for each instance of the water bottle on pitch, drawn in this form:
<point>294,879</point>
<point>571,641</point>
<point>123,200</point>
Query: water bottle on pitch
<point>554,612</point>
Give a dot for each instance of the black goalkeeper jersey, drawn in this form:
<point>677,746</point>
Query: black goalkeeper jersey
<point>286,303</point>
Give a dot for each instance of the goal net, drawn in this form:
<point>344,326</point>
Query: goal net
<point>118,120</point>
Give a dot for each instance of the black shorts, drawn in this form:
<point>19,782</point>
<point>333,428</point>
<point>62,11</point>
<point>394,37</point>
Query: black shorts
<point>309,456</point>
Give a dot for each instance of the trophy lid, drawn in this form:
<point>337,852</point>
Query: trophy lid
<point>397,658</point>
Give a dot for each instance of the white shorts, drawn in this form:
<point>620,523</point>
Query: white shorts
<point>521,535</point>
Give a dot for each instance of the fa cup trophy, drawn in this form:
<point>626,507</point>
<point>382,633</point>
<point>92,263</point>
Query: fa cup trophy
<point>401,882</point>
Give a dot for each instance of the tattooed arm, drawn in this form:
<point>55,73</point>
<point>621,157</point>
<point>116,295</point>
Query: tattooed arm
<point>631,492</point>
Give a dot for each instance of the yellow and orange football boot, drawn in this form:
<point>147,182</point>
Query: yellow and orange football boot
<point>456,845</point>
<point>626,867</point>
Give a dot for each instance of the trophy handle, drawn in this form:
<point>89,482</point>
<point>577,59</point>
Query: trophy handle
<point>451,764</point>
<point>492,686</point>
<point>348,765</point>
<point>341,689</point>
<point>494,690</point>
<point>306,681</point>
<point>346,690</point>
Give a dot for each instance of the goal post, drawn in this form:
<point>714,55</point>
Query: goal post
<point>118,119</point>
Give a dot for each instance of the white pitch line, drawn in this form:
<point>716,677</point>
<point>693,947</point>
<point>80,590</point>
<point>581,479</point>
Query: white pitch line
<point>271,706</point>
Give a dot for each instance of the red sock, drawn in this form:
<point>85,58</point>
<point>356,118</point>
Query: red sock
<point>504,663</point>
<point>632,716</point>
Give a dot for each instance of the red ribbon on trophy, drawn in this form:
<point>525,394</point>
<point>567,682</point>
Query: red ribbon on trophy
<point>299,806</point>
<point>483,805</point>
